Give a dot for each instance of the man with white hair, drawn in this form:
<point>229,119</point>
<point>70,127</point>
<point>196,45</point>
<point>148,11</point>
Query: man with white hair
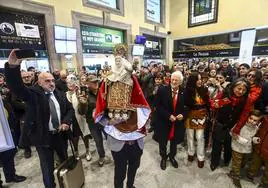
<point>49,116</point>
<point>170,117</point>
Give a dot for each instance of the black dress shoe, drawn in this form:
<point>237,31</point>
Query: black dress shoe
<point>173,162</point>
<point>27,154</point>
<point>16,179</point>
<point>163,164</point>
<point>212,167</point>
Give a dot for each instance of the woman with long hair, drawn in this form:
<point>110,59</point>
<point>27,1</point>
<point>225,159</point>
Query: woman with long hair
<point>197,100</point>
<point>254,78</point>
<point>80,127</point>
<point>229,107</point>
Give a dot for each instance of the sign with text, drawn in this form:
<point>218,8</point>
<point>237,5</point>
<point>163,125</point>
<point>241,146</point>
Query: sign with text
<point>154,10</point>
<point>100,40</point>
<point>209,53</point>
<point>20,30</point>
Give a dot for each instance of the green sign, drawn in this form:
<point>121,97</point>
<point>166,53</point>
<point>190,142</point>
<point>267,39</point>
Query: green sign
<point>99,40</point>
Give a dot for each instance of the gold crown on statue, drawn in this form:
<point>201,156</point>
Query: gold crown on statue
<point>121,50</point>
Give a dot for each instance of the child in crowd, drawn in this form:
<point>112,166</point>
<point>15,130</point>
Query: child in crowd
<point>242,144</point>
<point>260,155</point>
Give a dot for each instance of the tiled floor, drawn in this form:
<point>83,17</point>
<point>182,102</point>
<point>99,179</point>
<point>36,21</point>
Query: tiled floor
<point>149,174</point>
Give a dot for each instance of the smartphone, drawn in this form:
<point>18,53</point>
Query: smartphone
<point>83,90</point>
<point>25,53</point>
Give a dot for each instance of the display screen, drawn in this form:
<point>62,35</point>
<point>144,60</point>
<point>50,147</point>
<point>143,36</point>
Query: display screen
<point>61,46</point>
<point>154,10</point>
<point>100,40</point>
<point>106,3</point>
<point>71,47</point>
<point>71,34</point>
<point>65,39</point>
<point>60,32</point>
<point>64,33</point>
<point>138,50</point>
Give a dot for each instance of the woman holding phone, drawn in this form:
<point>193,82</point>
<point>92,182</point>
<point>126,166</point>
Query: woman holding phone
<point>81,129</point>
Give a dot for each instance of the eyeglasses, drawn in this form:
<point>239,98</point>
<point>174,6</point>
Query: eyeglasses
<point>251,75</point>
<point>219,77</point>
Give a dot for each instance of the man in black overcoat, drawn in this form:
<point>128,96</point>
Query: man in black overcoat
<point>170,115</point>
<point>49,116</point>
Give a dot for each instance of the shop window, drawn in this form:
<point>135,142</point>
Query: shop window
<point>154,12</point>
<point>111,6</point>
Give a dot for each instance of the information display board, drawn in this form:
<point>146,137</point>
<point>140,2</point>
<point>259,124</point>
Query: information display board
<point>100,40</point>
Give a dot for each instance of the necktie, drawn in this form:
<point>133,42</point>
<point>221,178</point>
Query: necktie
<point>53,112</point>
<point>174,104</point>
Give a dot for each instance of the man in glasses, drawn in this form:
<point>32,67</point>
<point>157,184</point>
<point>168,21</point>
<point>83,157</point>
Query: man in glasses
<point>49,116</point>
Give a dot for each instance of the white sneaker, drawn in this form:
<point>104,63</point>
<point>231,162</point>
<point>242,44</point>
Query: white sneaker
<point>88,156</point>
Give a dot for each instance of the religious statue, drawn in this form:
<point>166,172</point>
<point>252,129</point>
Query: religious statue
<point>121,106</point>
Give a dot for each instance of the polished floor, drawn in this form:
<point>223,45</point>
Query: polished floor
<point>149,174</point>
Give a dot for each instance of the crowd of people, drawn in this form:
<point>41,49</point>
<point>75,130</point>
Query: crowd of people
<point>215,106</point>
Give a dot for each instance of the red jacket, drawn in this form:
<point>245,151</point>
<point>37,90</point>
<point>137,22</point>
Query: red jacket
<point>262,148</point>
<point>254,94</point>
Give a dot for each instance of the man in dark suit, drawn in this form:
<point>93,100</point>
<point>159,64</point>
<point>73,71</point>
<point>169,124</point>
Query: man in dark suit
<point>49,116</point>
<point>170,112</point>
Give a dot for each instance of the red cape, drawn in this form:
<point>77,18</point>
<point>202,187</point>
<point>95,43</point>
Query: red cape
<point>137,99</point>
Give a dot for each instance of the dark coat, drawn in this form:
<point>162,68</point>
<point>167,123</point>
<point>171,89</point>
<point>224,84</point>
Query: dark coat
<point>262,103</point>
<point>38,113</point>
<point>164,109</point>
<point>226,117</point>
<point>61,85</point>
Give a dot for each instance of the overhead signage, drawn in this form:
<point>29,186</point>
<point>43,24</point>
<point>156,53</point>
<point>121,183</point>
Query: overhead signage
<point>106,3</point>
<point>153,47</point>
<point>100,40</point>
<point>210,53</point>
<point>153,11</point>
<point>20,30</point>
<point>260,50</point>
<point>27,30</point>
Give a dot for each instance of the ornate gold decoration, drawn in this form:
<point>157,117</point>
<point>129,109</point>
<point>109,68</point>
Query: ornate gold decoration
<point>120,50</point>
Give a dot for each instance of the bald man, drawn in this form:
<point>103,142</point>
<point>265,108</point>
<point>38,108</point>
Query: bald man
<point>49,116</point>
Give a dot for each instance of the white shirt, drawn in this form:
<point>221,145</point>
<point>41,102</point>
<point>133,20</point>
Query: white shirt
<point>243,144</point>
<point>57,105</point>
<point>116,145</point>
